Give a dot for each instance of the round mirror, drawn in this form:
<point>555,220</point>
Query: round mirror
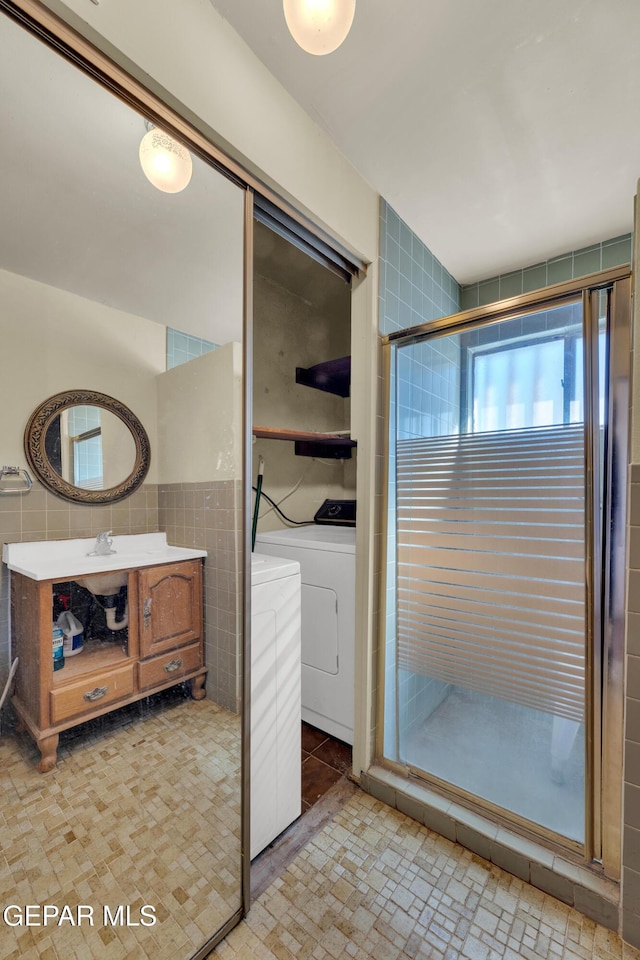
<point>87,447</point>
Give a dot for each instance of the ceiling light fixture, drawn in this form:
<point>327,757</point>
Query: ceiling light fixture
<point>319,26</point>
<point>165,162</point>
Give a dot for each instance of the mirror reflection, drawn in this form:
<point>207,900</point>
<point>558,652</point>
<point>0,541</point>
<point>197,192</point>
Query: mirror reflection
<point>110,284</point>
<point>90,448</point>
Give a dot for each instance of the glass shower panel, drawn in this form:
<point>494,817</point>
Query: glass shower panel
<point>489,625</point>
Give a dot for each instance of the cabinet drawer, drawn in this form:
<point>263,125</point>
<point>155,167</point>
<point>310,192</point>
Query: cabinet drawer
<point>88,695</point>
<point>169,666</point>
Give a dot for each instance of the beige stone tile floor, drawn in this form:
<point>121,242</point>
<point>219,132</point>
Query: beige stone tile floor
<point>142,808</point>
<point>374,883</point>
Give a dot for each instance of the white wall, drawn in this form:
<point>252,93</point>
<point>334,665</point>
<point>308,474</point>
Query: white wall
<point>53,340</point>
<point>119,450</point>
<point>200,418</point>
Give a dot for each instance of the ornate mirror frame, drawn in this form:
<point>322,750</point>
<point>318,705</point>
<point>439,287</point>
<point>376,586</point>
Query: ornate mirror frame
<point>34,446</point>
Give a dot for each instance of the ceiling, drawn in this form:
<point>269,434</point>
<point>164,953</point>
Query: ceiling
<point>77,212</point>
<point>503,132</point>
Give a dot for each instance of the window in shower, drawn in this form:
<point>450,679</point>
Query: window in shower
<point>495,527</point>
<point>531,382</point>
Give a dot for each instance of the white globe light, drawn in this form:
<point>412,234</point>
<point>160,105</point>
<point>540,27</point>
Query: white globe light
<point>319,26</point>
<point>165,162</point>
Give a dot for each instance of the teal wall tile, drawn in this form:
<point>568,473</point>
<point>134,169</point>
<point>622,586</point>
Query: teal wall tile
<point>511,284</point>
<point>596,907</point>
<point>469,297</point>
<point>614,252</point>
<point>560,269</point>
<point>181,347</point>
<point>533,278</point>
<point>414,286</point>
<point>488,291</point>
<point>631,927</point>
<point>392,221</point>
<point>587,261</point>
<point>632,764</point>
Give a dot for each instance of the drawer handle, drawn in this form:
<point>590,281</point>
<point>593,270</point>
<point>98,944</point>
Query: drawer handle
<point>172,665</point>
<point>96,694</point>
<point>147,611</point>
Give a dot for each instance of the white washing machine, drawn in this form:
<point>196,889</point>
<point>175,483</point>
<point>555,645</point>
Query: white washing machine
<point>276,750</point>
<point>327,558</point>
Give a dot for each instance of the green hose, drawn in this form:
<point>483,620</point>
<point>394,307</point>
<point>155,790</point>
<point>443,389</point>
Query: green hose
<point>254,525</point>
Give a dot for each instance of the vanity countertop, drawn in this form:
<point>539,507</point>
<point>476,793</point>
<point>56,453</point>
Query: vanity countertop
<point>67,559</point>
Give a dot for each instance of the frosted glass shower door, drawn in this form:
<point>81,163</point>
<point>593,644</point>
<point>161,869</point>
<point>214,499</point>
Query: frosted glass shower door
<point>490,601</point>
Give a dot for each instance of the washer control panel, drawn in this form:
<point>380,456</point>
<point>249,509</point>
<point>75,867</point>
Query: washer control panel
<point>341,513</point>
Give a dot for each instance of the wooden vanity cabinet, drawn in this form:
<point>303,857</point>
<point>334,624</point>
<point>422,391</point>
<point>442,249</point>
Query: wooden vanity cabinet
<point>162,645</point>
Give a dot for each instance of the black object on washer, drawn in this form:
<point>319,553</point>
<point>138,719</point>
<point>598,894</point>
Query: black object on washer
<point>338,513</point>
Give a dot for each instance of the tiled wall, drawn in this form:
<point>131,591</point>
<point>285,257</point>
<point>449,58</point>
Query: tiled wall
<point>39,515</point>
<point>209,516</point>
<point>414,288</point>
<point>181,347</point>
<point>428,388</point>
<point>578,263</point>
<point>631,814</point>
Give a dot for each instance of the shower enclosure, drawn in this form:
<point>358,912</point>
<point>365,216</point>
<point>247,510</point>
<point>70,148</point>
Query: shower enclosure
<point>505,552</point>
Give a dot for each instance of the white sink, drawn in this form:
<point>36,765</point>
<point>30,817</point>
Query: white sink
<point>104,584</point>
<point>68,559</point>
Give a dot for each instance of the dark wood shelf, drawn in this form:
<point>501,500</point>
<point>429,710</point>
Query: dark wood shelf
<point>332,376</point>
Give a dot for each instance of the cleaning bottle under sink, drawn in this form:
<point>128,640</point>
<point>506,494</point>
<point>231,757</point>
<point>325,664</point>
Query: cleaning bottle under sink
<point>73,634</point>
<point>58,647</point>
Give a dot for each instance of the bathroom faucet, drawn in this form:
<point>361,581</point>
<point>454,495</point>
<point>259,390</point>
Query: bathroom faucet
<point>103,545</point>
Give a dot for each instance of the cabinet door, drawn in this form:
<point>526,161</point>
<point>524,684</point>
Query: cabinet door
<point>170,606</point>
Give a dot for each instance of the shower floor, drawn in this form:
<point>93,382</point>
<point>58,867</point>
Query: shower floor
<point>501,752</point>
